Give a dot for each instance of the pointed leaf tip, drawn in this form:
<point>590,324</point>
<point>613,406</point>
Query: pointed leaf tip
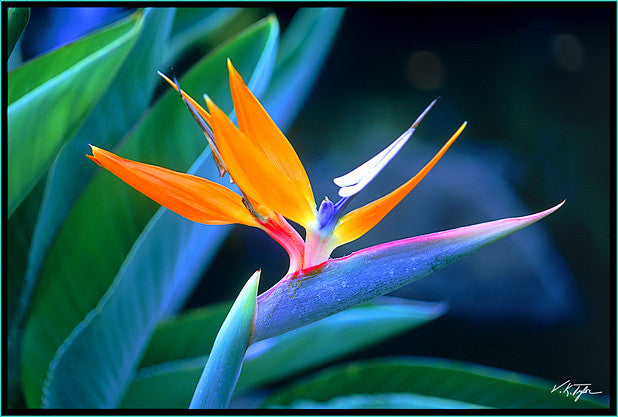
<point>220,374</point>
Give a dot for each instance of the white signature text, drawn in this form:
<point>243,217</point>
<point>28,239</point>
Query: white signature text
<point>569,388</point>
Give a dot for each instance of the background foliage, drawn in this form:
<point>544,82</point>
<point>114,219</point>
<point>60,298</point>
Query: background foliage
<point>533,82</point>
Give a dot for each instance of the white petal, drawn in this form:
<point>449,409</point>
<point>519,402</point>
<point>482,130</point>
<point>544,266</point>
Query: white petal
<point>355,180</point>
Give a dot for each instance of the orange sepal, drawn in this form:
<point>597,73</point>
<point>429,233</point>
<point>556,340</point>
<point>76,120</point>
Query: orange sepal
<point>358,222</point>
<point>258,177</point>
<point>194,198</point>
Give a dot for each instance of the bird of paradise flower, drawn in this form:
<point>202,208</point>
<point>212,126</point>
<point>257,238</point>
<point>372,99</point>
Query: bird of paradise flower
<point>274,188</point>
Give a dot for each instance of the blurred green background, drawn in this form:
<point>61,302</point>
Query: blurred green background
<point>536,84</point>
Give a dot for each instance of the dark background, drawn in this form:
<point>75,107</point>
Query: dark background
<point>536,82</point>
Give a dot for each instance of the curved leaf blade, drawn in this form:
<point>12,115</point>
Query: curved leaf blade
<point>220,374</point>
<point>198,328</point>
<point>171,251</point>
<point>192,334</point>
<point>338,284</point>
<point>192,25</point>
<point>442,378</point>
<point>18,230</point>
<point>304,48</point>
<point>17,19</point>
<point>42,119</point>
<point>260,78</point>
<point>346,332</point>
<point>274,359</point>
<point>118,110</point>
<point>35,73</point>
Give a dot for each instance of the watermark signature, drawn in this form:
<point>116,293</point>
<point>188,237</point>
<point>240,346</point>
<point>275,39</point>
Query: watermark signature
<point>571,389</point>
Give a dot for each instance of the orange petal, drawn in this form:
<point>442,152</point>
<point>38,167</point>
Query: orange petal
<point>256,124</point>
<point>358,222</point>
<point>257,176</point>
<point>192,197</point>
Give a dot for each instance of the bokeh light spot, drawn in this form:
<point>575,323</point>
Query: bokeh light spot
<point>568,52</point>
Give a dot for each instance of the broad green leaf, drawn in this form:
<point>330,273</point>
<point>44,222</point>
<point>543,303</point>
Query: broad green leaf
<point>383,401</point>
<point>37,72</point>
<point>22,222</point>
<point>50,96</point>
<point>185,336</point>
<point>197,24</point>
<point>191,334</point>
<point>166,385</point>
<point>341,334</point>
<point>270,360</point>
<point>167,136</point>
<point>118,110</point>
<point>338,284</point>
<point>441,378</point>
<point>18,229</point>
<point>111,110</point>
<point>304,48</point>
<point>220,374</point>
<point>17,19</point>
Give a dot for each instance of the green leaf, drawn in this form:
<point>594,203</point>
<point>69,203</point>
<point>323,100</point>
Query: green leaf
<point>341,334</point>
<point>269,360</point>
<point>101,229</point>
<point>304,48</point>
<point>50,96</point>
<point>445,379</point>
<point>17,19</point>
<point>216,385</point>
<point>185,336</point>
<point>191,334</point>
<point>194,24</point>
<point>19,230</point>
<point>116,112</point>
<point>382,401</point>
<point>166,385</point>
<point>338,284</point>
